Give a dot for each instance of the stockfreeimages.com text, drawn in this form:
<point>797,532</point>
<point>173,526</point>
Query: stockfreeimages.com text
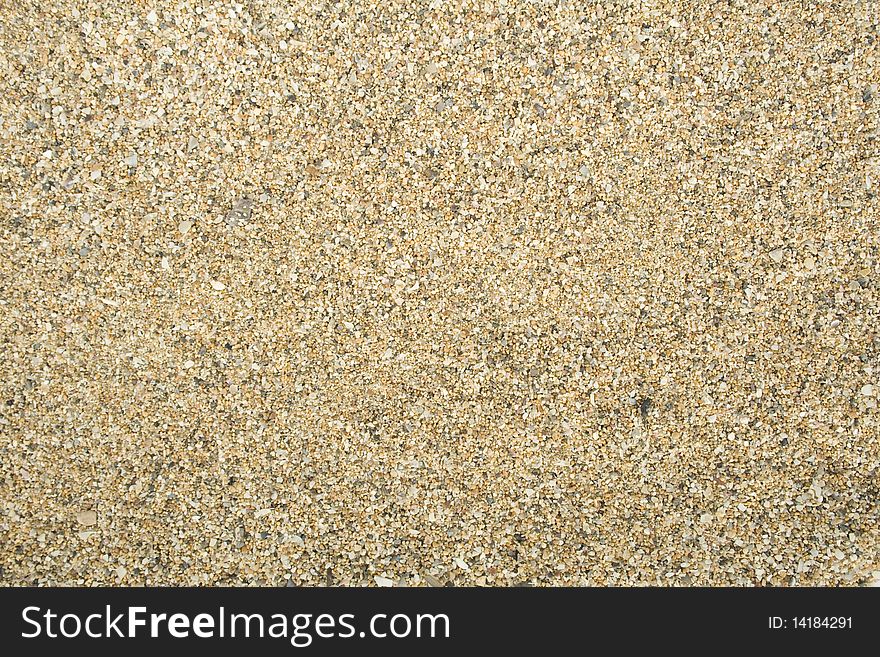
<point>300,629</point>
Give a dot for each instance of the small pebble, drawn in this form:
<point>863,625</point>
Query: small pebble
<point>87,518</point>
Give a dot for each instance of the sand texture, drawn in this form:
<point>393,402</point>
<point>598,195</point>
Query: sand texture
<point>426,293</point>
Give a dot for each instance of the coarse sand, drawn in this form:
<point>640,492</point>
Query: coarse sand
<point>427,293</point>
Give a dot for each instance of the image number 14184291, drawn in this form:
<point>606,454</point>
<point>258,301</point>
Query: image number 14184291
<point>810,623</point>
